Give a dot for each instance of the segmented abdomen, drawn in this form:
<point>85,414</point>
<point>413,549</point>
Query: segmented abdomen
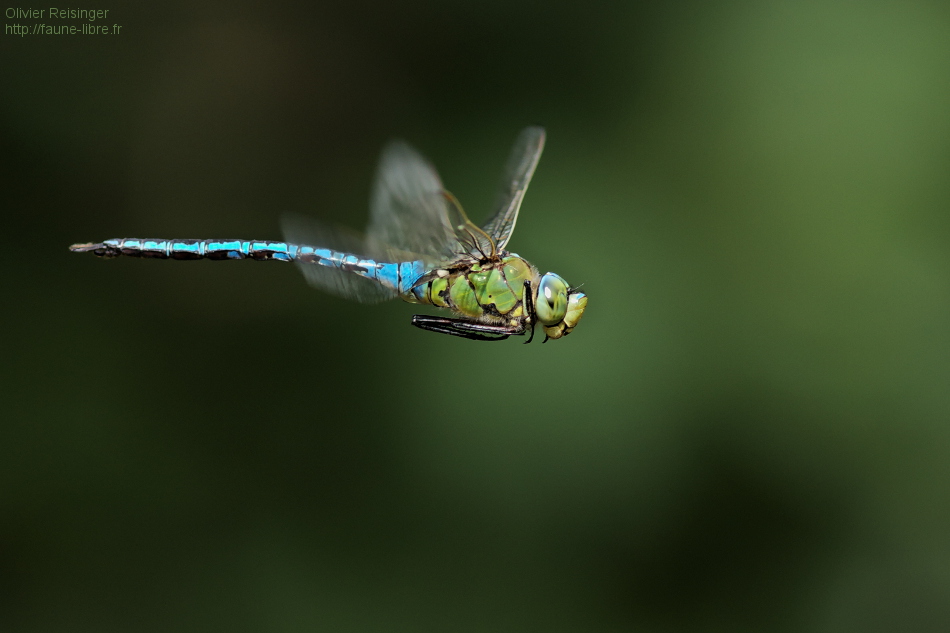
<point>398,276</point>
<point>189,249</point>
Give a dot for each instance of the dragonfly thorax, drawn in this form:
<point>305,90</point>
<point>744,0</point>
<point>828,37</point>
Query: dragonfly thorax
<point>487,291</point>
<point>507,291</point>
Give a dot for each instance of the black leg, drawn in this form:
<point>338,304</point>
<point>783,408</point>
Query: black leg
<point>465,329</point>
<point>529,309</point>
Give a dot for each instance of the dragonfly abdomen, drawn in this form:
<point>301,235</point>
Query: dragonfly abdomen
<point>399,277</point>
<point>185,249</point>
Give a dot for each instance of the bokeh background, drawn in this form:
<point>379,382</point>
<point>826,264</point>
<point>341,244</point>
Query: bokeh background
<point>749,431</point>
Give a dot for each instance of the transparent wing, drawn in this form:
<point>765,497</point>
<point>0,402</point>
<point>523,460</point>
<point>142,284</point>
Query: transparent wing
<point>349,285</point>
<point>521,164</point>
<point>409,211</point>
<point>469,238</point>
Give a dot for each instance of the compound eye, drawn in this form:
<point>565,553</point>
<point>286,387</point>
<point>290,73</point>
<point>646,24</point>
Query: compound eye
<point>552,299</point>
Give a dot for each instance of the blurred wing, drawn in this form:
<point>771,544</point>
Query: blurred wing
<point>409,211</point>
<point>470,239</point>
<point>521,163</point>
<point>308,232</point>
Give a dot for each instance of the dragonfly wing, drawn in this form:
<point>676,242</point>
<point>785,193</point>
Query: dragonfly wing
<point>470,239</point>
<point>304,231</point>
<point>521,164</point>
<point>409,211</point>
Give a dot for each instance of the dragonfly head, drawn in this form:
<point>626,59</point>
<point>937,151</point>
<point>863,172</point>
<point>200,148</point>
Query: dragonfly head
<point>558,307</point>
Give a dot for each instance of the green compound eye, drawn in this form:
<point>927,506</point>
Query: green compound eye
<point>552,299</point>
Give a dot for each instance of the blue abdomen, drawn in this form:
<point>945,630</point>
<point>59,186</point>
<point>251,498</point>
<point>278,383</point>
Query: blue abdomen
<point>397,277</point>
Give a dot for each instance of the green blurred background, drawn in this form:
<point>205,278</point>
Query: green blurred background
<point>749,431</point>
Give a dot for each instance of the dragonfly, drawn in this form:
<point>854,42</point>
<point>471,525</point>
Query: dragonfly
<point>419,246</point>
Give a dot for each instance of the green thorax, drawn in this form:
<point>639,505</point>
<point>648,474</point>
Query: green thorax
<point>487,290</point>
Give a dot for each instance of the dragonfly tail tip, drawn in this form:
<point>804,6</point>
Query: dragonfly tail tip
<point>84,248</point>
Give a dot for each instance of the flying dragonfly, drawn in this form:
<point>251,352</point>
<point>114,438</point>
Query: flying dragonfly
<point>419,246</point>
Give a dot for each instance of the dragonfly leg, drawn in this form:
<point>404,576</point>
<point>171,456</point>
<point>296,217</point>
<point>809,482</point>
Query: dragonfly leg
<point>465,329</point>
<point>529,308</point>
